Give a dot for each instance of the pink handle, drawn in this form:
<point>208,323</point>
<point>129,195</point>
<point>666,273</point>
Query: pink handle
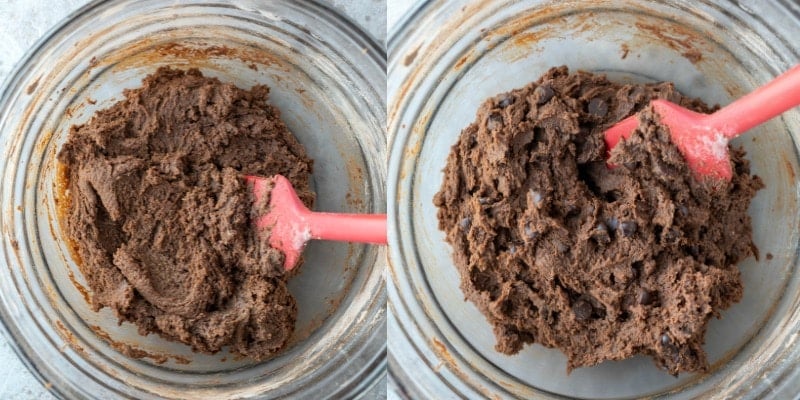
<point>764,103</point>
<point>361,228</point>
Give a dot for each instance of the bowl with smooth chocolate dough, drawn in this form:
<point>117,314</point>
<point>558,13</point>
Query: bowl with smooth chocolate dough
<point>159,213</point>
<point>131,267</point>
<point>524,267</point>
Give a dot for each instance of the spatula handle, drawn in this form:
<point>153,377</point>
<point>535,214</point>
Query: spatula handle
<point>759,106</point>
<point>361,228</point>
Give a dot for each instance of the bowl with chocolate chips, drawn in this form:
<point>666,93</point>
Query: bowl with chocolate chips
<point>532,261</point>
<point>131,264</point>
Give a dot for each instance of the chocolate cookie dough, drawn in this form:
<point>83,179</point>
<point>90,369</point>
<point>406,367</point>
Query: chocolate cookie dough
<point>161,216</point>
<point>555,248</point>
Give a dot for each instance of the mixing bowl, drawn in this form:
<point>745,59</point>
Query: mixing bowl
<point>446,57</point>
<point>327,78</point>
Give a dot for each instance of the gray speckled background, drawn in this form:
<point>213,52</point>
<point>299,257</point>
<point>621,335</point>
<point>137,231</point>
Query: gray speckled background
<point>24,22</point>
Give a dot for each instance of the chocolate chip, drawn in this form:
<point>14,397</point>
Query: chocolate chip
<point>612,223</point>
<point>536,197</point>
<point>495,121</point>
<point>637,265</point>
<point>600,312</point>
<point>657,229</point>
<point>465,222</point>
<point>665,340</point>
<point>529,232</point>
<point>543,93</point>
<point>505,101</point>
<point>582,310</point>
<point>644,297</point>
<point>628,228</point>
<point>598,107</point>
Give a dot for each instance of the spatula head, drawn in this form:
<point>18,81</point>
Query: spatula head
<point>285,220</point>
<point>705,149</point>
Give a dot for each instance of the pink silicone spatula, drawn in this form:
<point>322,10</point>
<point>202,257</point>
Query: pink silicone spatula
<point>291,224</point>
<point>703,138</point>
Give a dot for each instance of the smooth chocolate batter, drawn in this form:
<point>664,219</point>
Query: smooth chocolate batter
<point>555,248</point>
<point>161,216</point>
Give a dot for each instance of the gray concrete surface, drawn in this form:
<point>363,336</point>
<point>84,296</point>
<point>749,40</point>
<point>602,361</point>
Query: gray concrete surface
<point>24,22</point>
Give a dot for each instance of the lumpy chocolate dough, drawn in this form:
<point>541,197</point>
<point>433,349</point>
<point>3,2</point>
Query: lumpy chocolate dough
<point>161,216</point>
<point>555,248</point>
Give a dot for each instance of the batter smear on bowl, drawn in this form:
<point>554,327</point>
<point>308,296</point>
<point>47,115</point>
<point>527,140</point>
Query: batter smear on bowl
<point>161,215</point>
<point>555,248</point>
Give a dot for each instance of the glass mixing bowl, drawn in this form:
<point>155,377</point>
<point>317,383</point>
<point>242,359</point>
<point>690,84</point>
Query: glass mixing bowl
<point>446,57</point>
<point>327,78</point>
